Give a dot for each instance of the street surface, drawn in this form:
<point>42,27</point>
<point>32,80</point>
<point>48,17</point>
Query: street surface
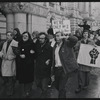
<point>93,91</point>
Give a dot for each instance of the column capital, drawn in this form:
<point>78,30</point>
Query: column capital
<point>23,7</point>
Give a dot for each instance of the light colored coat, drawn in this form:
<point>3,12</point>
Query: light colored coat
<point>8,67</point>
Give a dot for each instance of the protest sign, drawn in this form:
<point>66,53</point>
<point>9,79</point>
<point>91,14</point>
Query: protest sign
<point>66,27</point>
<point>89,55</point>
<point>61,25</point>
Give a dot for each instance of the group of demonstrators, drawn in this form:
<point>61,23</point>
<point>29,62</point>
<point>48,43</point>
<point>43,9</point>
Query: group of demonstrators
<point>38,56</point>
<point>89,37</point>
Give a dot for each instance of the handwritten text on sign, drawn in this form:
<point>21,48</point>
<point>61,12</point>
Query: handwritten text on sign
<point>61,25</point>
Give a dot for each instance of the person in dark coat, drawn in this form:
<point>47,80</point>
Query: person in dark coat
<point>85,26</point>
<point>26,62</point>
<point>17,37</point>
<point>43,62</point>
<point>64,61</point>
<point>52,43</point>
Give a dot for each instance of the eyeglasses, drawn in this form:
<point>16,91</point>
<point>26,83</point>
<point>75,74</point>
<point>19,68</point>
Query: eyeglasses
<point>42,38</point>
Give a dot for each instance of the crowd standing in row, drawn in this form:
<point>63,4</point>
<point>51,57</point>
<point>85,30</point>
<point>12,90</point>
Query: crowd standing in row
<point>38,57</point>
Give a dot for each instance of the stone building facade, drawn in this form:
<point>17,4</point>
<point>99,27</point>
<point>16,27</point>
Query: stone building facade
<point>30,16</point>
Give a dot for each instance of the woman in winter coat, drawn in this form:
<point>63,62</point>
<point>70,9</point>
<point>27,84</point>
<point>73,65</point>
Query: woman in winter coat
<point>8,67</point>
<point>83,73</point>
<point>26,62</point>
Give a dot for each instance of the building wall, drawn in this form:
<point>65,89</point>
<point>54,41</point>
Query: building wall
<point>56,9</point>
<point>38,23</point>
<point>2,26</point>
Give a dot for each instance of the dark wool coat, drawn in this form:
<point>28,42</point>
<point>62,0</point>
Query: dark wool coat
<point>25,70</point>
<point>43,54</point>
<point>85,27</point>
<point>67,55</point>
<point>17,38</point>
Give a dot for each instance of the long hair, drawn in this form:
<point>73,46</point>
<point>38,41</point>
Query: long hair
<point>18,35</point>
<point>78,33</point>
<point>18,31</point>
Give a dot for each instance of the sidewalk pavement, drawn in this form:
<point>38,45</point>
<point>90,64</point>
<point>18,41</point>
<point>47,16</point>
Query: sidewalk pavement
<point>93,91</point>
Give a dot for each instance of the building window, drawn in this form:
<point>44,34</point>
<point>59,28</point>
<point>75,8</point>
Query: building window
<point>44,4</point>
<point>60,3</point>
<point>51,4</point>
<point>61,8</point>
<point>78,5</point>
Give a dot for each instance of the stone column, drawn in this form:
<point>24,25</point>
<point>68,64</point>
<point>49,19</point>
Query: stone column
<point>89,8</point>
<point>29,26</point>
<point>20,21</point>
<point>10,22</point>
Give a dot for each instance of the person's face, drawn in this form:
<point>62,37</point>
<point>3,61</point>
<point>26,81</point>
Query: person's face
<point>15,32</point>
<point>34,36</point>
<point>58,37</point>
<point>42,38</point>
<point>78,34</point>
<point>25,37</point>
<point>85,22</point>
<point>50,36</point>
<point>91,36</point>
<point>9,36</point>
<point>85,35</point>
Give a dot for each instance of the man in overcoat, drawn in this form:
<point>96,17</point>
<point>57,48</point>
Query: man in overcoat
<point>64,62</point>
<point>43,61</point>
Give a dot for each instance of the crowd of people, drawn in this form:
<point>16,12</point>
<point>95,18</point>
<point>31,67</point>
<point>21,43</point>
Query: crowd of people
<point>36,57</point>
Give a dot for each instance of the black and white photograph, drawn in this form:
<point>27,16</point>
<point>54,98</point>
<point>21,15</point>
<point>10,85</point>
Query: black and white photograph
<point>49,50</point>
